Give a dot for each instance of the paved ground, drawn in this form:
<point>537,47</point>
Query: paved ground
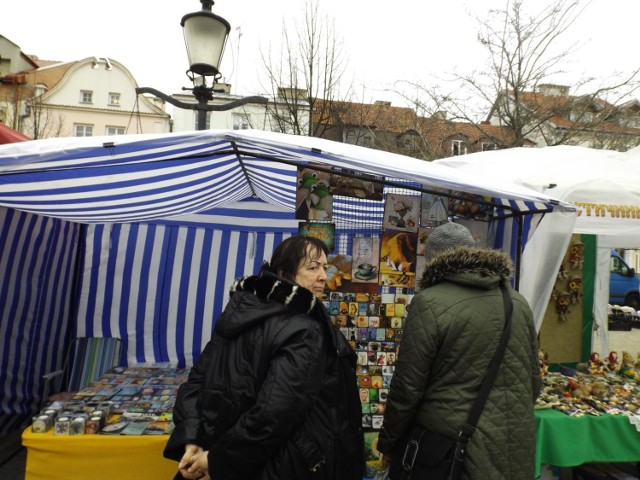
<point>12,457</point>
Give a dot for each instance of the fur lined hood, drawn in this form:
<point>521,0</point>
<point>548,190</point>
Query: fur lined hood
<point>260,298</point>
<point>269,287</point>
<point>470,263</point>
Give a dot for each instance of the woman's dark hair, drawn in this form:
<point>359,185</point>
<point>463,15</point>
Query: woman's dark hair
<point>291,252</point>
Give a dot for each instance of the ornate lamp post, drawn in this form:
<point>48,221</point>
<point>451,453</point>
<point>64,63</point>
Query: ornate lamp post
<point>205,36</point>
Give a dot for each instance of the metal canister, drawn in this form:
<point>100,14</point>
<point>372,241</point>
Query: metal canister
<point>52,412</point>
<point>41,424</point>
<point>77,426</point>
<point>101,417</point>
<point>93,425</point>
<point>62,426</point>
<point>104,407</point>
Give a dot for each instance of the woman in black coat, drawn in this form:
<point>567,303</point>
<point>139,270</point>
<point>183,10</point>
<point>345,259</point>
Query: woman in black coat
<point>274,394</point>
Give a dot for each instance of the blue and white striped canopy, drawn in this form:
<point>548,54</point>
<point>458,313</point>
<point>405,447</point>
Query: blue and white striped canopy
<point>134,178</point>
<point>140,237</point>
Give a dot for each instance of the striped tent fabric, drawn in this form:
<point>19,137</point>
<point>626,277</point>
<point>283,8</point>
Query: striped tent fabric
<point>141,178</point>
<point>139,237</point>
<point>38,257</point>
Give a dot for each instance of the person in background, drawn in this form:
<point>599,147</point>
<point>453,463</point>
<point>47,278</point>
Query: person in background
<point>453,327</point>
<point>274,393</point>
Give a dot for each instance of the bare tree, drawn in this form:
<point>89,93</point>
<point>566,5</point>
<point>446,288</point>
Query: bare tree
<point>41,122</point>
<point>25,109</point>
<point>522,59</point>
<point>308,69</point>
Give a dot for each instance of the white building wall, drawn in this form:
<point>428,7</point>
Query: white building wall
<point>102,77</point>
<point>259,117</point>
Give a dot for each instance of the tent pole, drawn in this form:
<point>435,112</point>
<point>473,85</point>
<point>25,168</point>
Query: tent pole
<point>518,253</point>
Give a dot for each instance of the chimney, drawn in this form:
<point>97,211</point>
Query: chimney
<point>292,93</point>
<point>551,90</point>
<point>222,87</point>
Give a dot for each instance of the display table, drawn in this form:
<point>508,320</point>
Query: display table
<point>98,457</point>
<point>565,441</point>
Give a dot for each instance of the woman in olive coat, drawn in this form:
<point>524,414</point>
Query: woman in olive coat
<point>453,327</point>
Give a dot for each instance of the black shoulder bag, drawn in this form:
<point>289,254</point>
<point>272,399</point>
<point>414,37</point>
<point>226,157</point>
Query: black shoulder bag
<point>426,455</point>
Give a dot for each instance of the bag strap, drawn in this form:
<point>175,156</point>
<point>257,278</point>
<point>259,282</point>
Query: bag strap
<point>487,383</point>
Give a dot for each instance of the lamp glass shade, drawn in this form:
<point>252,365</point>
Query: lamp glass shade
<point>205,35</point>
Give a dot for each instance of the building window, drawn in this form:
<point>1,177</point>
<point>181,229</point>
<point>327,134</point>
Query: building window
<point>115,130</point>
<point>86,96</point>
<point>114,99</point>
<point>409,143</point>
<point>360,136</point>
<point>83,130</point>
<point>458,148</point>
<point>241,121</point>
<point>487,146</point>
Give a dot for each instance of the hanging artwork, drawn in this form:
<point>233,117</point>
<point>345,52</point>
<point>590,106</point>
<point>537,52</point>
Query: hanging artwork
<point>349,183</point>
<point>339,273</point>
<point>314,200</point>
<point>398,259</point>
<point>470,206</point>
<point>366,257</point>
<point>322,231</point>
<point>401,212</point>
<point>435,210</point>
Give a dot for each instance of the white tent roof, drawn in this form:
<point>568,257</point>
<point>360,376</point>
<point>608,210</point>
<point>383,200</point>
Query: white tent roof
<point>603,184</point>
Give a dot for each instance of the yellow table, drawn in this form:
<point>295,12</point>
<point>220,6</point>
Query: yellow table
<point>98,457</point>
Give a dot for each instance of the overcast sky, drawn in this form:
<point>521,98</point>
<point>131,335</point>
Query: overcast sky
<point>384,41</point>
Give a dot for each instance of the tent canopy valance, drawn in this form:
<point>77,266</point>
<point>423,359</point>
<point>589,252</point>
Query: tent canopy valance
<point>148,177</point>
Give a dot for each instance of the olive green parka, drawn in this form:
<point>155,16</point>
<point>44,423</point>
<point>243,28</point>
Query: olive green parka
<point>453,327</point>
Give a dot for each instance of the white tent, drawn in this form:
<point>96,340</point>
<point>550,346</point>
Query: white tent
<point>603,184</point>
<point>140,236</point>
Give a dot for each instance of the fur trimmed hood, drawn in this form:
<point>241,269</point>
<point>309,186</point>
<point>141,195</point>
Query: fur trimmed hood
<point>469,261</point>
<point>269,287</point>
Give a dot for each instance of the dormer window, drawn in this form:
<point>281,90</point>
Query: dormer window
<point>488,146</point>
<point>458,148</point>
<point>86,96</point>
<point>360,136</point>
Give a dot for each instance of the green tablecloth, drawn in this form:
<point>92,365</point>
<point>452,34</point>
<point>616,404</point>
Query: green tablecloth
<point>565,441</point>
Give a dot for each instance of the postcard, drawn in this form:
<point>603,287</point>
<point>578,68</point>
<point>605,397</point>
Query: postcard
<point>314,200</point>
<point>401,212</point>
<point>322,231</point>
<point>350,183</point>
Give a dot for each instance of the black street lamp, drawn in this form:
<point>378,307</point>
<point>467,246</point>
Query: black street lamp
<point>205,36</point>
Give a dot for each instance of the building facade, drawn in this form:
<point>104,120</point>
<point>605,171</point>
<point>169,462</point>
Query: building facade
<point>89,97</point>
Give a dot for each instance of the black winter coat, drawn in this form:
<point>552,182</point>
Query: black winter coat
<point>274,394</point>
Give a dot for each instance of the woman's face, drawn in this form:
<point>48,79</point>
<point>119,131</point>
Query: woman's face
<point>312,272</point>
